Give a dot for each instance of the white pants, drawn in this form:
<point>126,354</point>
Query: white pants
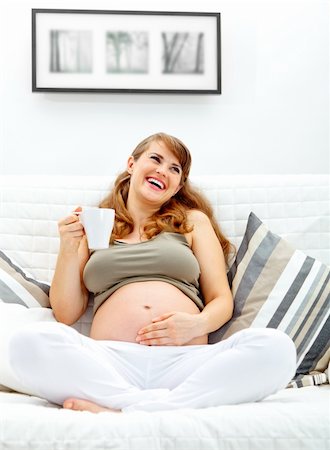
<point>56,362</point>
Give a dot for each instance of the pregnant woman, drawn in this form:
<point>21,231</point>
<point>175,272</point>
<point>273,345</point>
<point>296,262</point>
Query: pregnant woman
<point>159,289</point>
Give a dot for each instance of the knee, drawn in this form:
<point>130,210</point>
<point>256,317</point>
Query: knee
<point>281,344</point>
<point>31,343</point>
<point>24,344</point>
<point>278,351</point>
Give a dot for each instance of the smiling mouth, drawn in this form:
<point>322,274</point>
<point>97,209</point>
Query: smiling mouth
<point>157,183</point>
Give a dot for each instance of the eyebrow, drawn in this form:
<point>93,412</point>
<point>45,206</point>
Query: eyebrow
<point>161,157</point>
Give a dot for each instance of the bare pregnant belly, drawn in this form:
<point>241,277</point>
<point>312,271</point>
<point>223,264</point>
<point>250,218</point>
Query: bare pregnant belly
<point>133,306</point>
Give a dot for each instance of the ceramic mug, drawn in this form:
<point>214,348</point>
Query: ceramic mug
<point>98,225</point>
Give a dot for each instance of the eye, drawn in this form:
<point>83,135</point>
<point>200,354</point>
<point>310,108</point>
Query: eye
<point>155,157</point>
<point>176,169</point>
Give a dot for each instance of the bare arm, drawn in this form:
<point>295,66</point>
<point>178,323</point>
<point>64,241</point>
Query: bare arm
<point>213,280</point>
<point>68,295</point>
<point>178,328</point>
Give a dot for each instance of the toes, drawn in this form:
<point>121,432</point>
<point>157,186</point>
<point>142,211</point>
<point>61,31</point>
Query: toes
<point>78,404</point>
<point>84,405</point>
<point>68,404</point>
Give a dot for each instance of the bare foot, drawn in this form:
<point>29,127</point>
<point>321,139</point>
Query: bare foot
<point>77,404</point>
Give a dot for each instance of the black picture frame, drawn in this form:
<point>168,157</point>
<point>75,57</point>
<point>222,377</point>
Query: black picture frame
<point>147,52</point>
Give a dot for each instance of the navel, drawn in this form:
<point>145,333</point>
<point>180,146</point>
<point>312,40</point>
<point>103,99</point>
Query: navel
<point>147,307</point>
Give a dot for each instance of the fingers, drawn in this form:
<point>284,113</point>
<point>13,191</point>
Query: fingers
<point>155,342</point>
<point>152,327</point>
<point>152,335</point>
<point>163,317</point>
<point>72,219</point>
<point>71,231</point>
<point>71,225</point>
<point>156,334</point>
<point>161,340</point>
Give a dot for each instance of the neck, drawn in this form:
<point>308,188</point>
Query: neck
<point>140,213</point>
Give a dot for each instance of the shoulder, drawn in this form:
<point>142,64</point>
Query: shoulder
<point>200,225</point>
<point>197,217</point>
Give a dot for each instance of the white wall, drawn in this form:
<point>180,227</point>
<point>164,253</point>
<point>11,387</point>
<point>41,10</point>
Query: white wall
<point>272,116</point>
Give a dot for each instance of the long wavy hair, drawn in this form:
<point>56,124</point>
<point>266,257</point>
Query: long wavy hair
<point>172,216</point>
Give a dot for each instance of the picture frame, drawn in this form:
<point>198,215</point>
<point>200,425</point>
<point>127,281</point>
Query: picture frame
<point>126,51</point>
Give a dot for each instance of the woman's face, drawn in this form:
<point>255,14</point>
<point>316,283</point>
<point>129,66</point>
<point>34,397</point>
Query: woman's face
<point>156,175</point>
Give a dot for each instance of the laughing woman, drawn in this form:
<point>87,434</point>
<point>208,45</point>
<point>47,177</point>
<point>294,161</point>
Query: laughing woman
<point>159,289</point>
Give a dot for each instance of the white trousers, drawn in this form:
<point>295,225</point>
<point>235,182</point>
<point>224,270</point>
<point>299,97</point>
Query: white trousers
<point>55,362</point>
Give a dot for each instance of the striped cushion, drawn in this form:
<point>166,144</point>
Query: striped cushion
<point>16,286</point>
<point>277,286</point>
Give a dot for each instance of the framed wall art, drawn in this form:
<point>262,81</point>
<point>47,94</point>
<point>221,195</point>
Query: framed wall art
<point>126,51</point>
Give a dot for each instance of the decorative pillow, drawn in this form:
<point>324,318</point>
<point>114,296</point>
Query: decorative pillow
<point>276,286</point>
<point>16,286</point>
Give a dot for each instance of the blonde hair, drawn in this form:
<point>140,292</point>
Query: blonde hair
<point>172,216</point>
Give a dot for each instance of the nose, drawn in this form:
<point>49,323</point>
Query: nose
<point>161,169</point>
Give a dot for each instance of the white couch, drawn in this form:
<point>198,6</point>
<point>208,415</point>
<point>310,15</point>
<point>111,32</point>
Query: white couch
<point>294,206</point>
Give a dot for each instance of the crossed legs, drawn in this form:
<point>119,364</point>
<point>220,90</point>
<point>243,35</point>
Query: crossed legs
<point>55,362</point>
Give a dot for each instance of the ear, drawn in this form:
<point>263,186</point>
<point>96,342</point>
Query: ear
<point>130,164</point>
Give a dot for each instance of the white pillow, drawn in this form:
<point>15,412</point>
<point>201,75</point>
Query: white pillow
<point>12,318</point>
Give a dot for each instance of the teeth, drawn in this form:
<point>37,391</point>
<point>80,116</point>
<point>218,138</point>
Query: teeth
<point>156,182</point>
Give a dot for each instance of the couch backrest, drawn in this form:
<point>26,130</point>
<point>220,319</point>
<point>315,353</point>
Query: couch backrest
<point>294,206</point>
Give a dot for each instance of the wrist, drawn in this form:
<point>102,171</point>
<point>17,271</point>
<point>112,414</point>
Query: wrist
<point>67,252</point>
<point>202,323</point>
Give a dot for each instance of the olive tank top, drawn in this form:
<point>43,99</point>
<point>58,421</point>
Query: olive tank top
<point>166,257</point>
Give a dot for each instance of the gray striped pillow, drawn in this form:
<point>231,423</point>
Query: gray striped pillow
<point>16,286</point>
<point>276,286</point>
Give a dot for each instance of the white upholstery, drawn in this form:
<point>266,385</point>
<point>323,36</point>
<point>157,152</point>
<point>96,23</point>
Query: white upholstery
<point>294,206</point>
<point>289,420</point>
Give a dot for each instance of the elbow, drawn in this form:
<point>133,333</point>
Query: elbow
<point>66,319</point>
<point>67,312</point>
<point>230,308</point>
<point>66,315</point>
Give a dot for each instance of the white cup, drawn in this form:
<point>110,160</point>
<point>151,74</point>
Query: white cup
<point>98,224</point>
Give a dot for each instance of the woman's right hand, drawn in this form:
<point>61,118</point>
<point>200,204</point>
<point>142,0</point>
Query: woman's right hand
<point>71,232</point>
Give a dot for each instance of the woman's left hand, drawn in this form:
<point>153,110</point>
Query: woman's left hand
<point>173,328</point>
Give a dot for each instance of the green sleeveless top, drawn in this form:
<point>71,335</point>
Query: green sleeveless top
<point>166,257</point>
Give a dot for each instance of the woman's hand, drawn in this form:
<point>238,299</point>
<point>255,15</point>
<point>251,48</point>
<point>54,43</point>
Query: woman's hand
<point>173,328</point>
<point>71,232</point>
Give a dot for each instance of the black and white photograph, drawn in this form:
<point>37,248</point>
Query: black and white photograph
<point>125,51</point>
<point>70,51</point>
<point>183,52</point>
